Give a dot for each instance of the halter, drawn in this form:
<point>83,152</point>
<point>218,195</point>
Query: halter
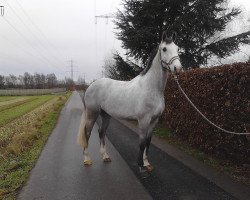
<point>167,68</point>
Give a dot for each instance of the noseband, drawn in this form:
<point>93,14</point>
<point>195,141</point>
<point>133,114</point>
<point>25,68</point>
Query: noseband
<point>167,64</point>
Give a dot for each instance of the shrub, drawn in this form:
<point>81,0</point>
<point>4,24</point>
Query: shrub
<point>222,94</point>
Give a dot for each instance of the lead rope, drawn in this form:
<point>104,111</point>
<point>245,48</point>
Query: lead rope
<point>231,132</point>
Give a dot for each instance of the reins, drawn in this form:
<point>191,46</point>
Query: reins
<point>231,132</point>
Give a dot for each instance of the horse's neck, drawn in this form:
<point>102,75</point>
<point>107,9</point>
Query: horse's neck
<point>156,78</point>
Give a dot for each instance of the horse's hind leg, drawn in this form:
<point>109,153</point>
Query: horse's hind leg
<point>102,132</point>
<point>90,121</point>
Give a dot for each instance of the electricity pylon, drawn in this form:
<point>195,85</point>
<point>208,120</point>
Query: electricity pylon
<point>2,10</point>
<point>105,16</point>
<point>72,69</point>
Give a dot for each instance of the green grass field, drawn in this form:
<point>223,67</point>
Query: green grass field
<point>25,124</point>
<point>11,111</point>
<point>7,98</point>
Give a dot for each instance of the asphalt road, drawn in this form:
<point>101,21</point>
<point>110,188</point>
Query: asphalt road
<point>60,174</point>
<point>170,178</point>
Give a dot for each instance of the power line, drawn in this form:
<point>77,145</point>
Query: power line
<point>107,17</point>
<point>38,29</point>
<point>25,51</point>
<point>26,40</point>
<point>34,52</point>
<point>41,44</point>
<point>15,45</point>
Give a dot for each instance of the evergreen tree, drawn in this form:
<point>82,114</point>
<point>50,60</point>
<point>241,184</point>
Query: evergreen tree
<point>198,23</point>
<point>120,69</point>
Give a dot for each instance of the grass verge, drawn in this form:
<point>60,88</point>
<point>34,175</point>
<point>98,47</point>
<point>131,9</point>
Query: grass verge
<point>238,173</point>
<point>19,154</point>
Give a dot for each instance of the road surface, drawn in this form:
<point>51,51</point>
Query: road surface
<point>60,174</point>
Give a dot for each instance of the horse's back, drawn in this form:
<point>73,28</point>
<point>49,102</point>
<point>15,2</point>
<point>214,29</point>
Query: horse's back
<point>99,90</point>
<point>110,95</point>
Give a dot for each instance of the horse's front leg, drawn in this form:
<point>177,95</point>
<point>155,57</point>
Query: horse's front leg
<point>144,141</point>
<point>148,141</point>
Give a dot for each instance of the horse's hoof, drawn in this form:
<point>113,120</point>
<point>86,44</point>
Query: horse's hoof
<point>144,172</point>
<point>87,162</point>
<point>143,169</point>
<point>106,160</point>
<point>149,168</point>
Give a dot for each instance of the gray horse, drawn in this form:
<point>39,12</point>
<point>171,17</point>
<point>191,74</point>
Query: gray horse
<point>141,99</point>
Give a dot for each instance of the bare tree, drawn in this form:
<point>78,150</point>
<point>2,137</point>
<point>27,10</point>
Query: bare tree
<point>11,81</point>
<point>51,80</point>
<point>20,81</point>
<point>28,80</point>
<point>1,82</point>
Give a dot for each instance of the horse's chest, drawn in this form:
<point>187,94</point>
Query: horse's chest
<point>155,105</point>
<point>159,108</point>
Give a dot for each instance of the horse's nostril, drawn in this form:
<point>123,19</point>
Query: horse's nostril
<point>175,69</point>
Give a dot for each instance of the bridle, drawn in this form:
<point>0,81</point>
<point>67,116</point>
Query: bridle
<point>167,64</point>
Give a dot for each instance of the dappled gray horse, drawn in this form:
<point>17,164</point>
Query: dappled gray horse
<point>140,99</point>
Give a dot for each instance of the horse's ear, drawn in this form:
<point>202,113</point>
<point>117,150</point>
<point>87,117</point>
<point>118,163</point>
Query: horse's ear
<point>174,36</point>
<point>164,36</point>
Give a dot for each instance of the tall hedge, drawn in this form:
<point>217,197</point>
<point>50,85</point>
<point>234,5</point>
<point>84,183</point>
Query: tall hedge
<point>222,94</point>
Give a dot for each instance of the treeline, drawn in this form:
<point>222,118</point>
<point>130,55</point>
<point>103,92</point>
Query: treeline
<point>35,81</point>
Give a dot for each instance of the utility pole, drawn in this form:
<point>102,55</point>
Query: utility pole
<point>72,69</point>
<point>105,16</point>
<point>84,78</point>
<point>72,87</point>
<point>2,10</point>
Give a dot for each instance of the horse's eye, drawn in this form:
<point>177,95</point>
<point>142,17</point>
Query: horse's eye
<point>164,49</point>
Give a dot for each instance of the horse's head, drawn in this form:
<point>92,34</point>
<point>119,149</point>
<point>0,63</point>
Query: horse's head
<point>169,57</point>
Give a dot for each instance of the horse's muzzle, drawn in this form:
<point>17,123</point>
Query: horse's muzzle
<point>178,69</point>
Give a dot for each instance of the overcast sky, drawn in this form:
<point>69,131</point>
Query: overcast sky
<point>70,33</point>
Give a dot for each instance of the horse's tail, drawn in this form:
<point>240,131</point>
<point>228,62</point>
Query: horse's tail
<point>81,137</point>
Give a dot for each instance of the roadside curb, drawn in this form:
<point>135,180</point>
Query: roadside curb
<point>238,190</point>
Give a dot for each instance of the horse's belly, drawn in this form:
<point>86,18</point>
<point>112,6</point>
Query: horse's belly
<point>120,108</point>
<point>123,100</point>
